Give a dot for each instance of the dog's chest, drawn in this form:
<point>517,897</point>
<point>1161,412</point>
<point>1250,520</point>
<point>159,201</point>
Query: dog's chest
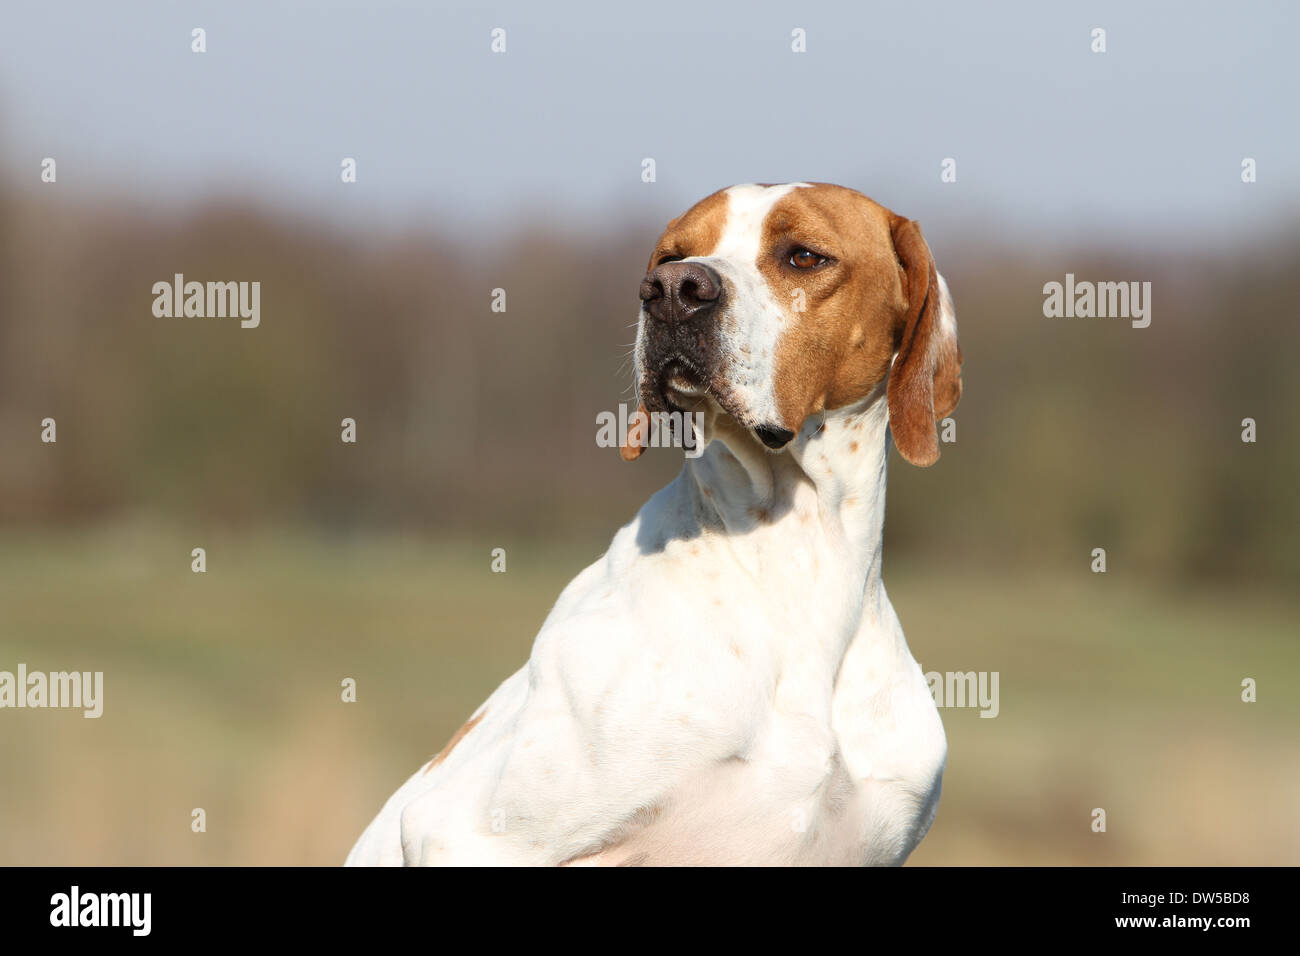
<point>838,765</point>
<point>795,798</point>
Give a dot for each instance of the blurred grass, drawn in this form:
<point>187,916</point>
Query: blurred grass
<point>222,691</point>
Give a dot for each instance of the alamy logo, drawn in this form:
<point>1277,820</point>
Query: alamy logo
<point>84,689</point>
<point>966,689</point>
<point>75,908</point>
<point>652,429</point>
<point>1101,300</point>
<point>211,300</point>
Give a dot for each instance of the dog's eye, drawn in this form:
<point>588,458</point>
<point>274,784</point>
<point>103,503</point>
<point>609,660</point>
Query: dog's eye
<point>669,257</point>
<point>802,258</point>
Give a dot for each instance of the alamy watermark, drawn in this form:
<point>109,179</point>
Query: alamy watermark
<point>1101,300</point>
<point>683,430</point>
<point>965,689</point>
<point>131,911</point>
<point>56,689</point>
<point>210,300</point>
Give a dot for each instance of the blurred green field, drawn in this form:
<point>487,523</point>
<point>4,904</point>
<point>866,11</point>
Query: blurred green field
<point>222,691</point>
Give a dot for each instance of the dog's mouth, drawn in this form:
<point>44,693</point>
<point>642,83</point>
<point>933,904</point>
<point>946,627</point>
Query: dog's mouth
<point>681,384</point>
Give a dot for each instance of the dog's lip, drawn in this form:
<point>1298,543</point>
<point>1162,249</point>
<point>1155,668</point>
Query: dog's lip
<point>678,376</point>
<point>683,384</point>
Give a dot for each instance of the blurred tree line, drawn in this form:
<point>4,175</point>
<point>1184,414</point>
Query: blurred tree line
<point>1071,434</point>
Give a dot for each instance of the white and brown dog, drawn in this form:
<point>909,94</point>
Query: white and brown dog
<point>729,684</point>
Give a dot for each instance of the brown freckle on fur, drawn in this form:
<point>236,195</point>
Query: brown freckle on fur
<point>850,501</point>
<point>455,739</point>
<point>735,649</point>
<point>759,514</point>
<point>853,446</point>
<point>695,549</point>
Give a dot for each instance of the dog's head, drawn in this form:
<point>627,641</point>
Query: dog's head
<point>781,302</point>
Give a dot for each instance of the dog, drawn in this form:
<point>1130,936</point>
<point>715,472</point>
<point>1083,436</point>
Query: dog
<point>729,683</point>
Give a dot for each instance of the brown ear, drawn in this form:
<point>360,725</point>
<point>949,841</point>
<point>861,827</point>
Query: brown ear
<point>638,435</point>
<point>925,380</point>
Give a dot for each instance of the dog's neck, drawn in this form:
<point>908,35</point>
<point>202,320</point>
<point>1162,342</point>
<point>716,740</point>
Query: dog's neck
<point>812,513</point>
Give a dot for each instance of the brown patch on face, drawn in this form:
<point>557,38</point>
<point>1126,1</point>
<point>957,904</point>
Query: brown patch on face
<point>455,739</point>
<point>877,295</point>
<point>839,348</point>
<point>695,232</point>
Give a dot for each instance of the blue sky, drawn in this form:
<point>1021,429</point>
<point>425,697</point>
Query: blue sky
<point>1050,139</point>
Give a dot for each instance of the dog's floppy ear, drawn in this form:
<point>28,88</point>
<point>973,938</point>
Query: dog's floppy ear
<point>638,435</point>
<point>925,379</point>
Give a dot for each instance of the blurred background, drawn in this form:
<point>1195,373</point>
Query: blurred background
<point>476,429</point>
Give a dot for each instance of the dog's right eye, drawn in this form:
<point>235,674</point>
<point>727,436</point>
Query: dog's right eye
<point>802,258</point>
<point>669,258</point>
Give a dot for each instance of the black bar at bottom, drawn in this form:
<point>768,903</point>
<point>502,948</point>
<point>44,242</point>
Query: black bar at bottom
<point>584,907</point>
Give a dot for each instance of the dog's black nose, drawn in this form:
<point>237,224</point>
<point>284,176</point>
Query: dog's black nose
<point>680,291</point>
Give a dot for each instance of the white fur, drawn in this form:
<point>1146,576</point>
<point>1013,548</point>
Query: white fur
<point>753,325</point>
<point>728,684</point>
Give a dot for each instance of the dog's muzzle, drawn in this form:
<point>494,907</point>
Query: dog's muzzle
<point>681,302</point>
